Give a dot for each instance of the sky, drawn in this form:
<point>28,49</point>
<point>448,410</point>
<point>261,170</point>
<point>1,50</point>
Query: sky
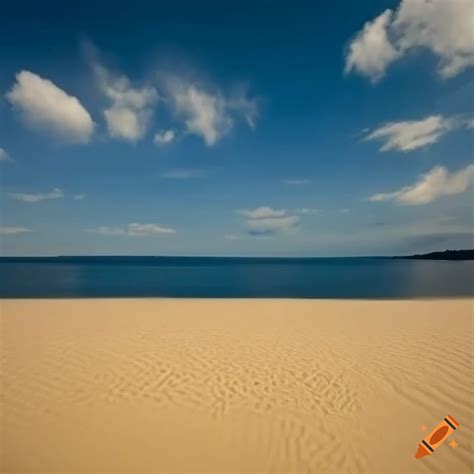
<point>251,128</point>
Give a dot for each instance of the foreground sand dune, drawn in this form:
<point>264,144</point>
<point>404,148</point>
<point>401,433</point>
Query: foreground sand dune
<point>234,385</point>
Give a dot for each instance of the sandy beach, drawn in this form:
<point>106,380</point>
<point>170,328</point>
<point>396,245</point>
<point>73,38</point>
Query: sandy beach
<point>164,385</point>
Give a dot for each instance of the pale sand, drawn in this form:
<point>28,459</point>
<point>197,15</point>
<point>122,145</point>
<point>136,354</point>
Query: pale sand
<point>234,385</point>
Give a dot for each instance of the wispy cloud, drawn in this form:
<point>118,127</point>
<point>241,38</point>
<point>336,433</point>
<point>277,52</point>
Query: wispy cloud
<point>207,112</point>
<point>56,193</point>
<point>262,212</point>
<point>265,220</point>
<point>4,156</point>
<point>183,174</point>
<point>131,108</point>
<point>133,230</point>
<point>312,211</point>
<point>412,134</point>
<point>204,109</point>
<point>164,137</point>
<point>437,183</point>
<point>46,107</point>
<point>440,26</point>
<point>79,197</point>
<point>7,230</point>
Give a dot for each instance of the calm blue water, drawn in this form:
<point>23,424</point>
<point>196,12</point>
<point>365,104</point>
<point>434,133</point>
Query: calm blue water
<point>234,277</point>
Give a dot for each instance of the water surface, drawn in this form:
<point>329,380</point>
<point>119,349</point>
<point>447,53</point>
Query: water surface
<point>188,277</point>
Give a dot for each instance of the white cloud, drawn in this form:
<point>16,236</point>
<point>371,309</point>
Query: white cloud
<point>164,137</point>
<point>436,183</point>
<point>264,220</point>
<point>46,107</point>
<point>79,197</point>
<point>56,193</point>
<point>262,212</point>
<point>148,229</point>
<point>133,230</point>
<point>183,174</point>
<point>209,115</point>
<point>6,230</point>
<point>4,156</point>
<point>312,211</point>
<point>271,225</point>
<point>131,109</point>
<point>105,230</point>
<point>371,51</point>
<point>296,182</point>
<point>205,113</point>
<point>239,103</point>
<point>444,27</point>
<point>411,134</point>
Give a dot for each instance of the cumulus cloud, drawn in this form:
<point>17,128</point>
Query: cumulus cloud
<point>7,230</point>
<point>271,225</point>
<point>164,137</point>
<point>4,156</point>
<point>46,107</point>
<point>183,174</point>
<point>209,114</point>
<point>56,193</point>
<point>371,51</point>
<point>133,230</point>
<point>443,27</point>
<point>437,183</point>
<point>131,108</point>
<point>129,115</point>
<point>412,134</point>
<point>140,230</point>
<point>262,212</point>
<point>267,221</point>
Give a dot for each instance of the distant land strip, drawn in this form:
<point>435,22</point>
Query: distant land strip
<point>186,260</point>
<point>446,255</point>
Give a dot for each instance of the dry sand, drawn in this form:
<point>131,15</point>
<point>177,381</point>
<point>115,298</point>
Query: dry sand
<point>234,385</point>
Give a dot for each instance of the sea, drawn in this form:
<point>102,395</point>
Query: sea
<point>229,277</point>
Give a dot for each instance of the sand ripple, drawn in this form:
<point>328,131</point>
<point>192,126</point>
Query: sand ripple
<point>234,386</point>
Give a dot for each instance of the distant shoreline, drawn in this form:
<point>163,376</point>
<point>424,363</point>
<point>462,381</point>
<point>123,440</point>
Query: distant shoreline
<point>154,259</point>
<point>446,255</point>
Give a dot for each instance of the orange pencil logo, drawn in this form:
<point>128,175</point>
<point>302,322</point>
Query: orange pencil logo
<point>436,437</point>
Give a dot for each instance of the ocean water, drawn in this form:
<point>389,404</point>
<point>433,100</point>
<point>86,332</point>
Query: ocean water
<point>189,277</point>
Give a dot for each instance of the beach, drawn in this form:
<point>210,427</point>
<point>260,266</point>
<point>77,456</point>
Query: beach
<point>227,385</point>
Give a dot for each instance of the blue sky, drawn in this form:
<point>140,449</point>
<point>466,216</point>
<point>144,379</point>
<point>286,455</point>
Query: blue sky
<point>262,128</point>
